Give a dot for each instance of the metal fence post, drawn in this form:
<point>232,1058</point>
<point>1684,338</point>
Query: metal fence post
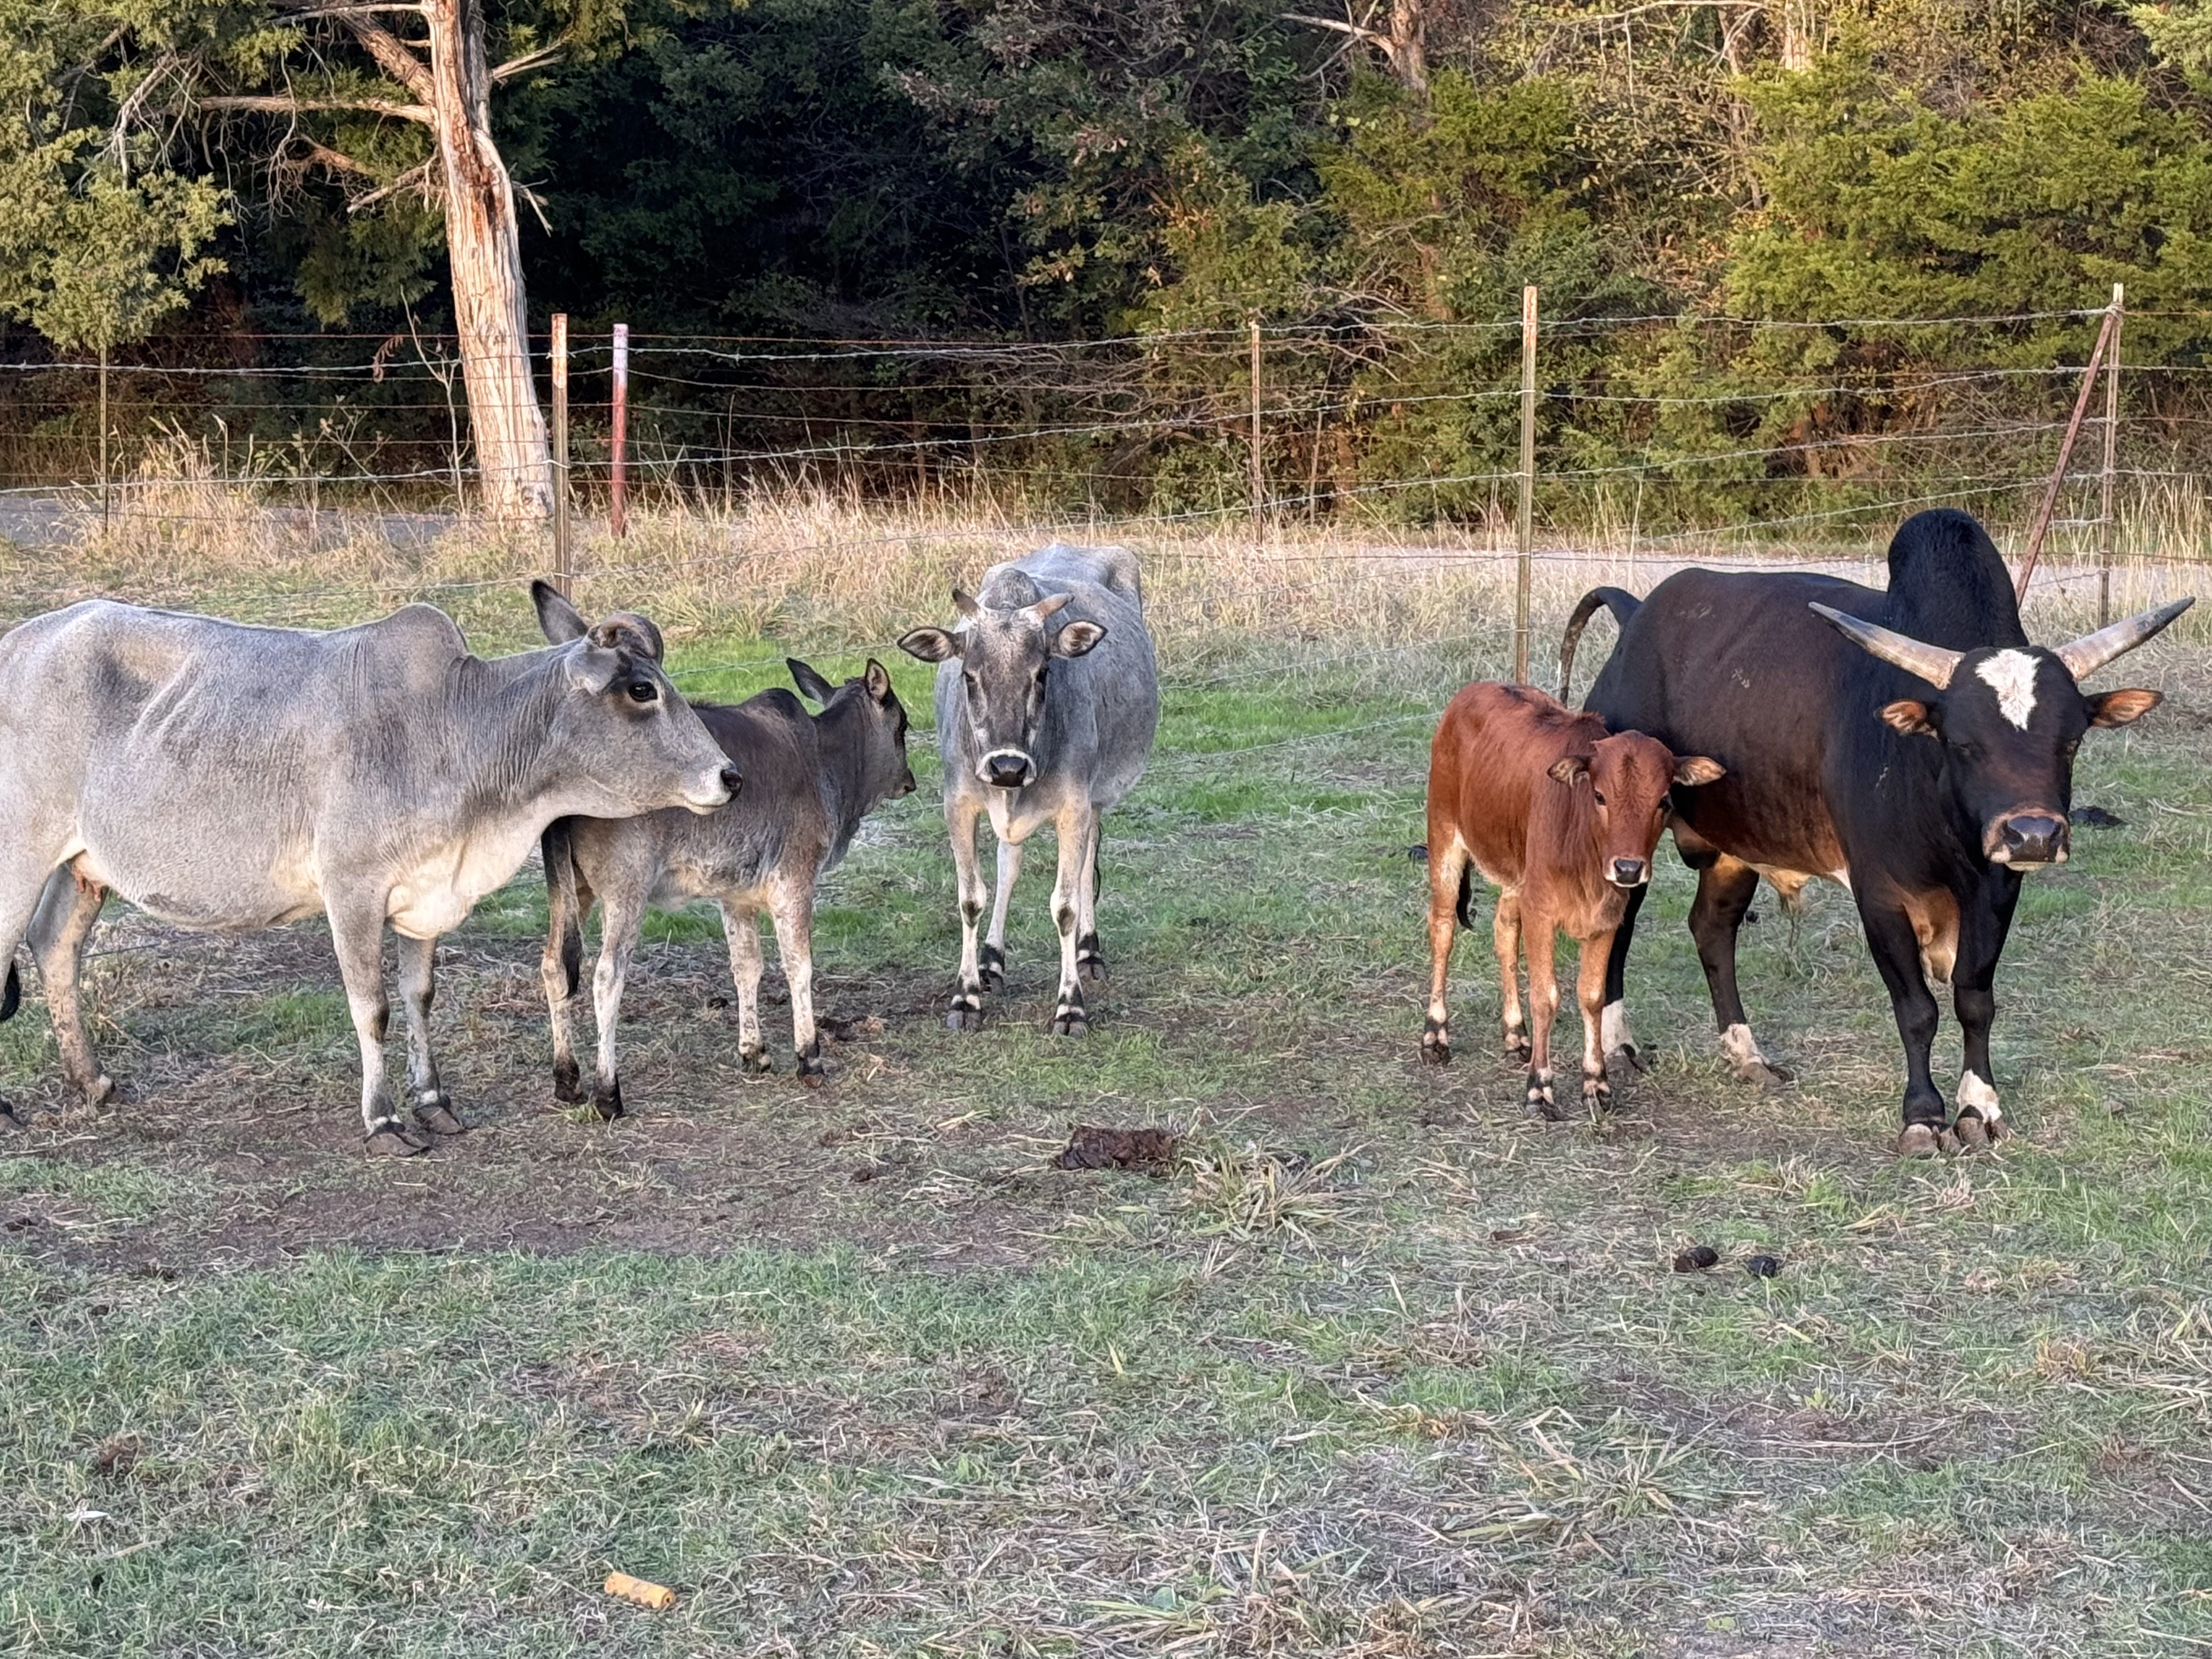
<point>103,435</point>
<point>617,518</point>
<point>2105,526</point>
<point>1523,519</point>
<point>1259,476</point>
<point>563,571</point>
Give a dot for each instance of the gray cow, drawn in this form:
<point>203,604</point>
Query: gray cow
<point>809,781</point>
<point>1046,697</point>
<point>231,779</point>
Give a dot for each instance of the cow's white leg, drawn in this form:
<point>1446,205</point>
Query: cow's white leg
<point>568,903</point>
<point>67,911</point>
<point>434,1107</point>
<point>1072,832</point>
<point>1589,995</point>
<point>1538,941</point>
<point>1505,939</point>
<point>357,936</point>
<point>991,962</point>
<point>1089,958</point>
<point>619,916</point>
<point>24,874</point>
<point>792,907</point>
<point>961,811</point>
<point>739,933</point>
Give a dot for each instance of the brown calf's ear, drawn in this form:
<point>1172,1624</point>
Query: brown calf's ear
<point>878,679</point>
<point>1570,768</point>
<point>930,644</point>
<point>2123,708</point>
<point>1696,769</point>
<point>1077,639</point>
<point>809,680</point>
<point>1909,717</point>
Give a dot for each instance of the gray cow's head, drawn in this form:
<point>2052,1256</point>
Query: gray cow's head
<point>2009,720</point>
<point>622,726</point>
<point>1005,656</point>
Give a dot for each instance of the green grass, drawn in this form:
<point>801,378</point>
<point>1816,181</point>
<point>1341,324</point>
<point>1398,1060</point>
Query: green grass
<point>1383,1369</point>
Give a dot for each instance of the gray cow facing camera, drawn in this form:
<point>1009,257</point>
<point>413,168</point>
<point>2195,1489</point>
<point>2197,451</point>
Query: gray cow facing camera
<point>1046,698</point>
<point>809,781</point>
<point>231,779</point>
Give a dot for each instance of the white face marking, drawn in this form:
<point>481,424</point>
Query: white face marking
<point>1973,1092</point>
<point>2011,675</point>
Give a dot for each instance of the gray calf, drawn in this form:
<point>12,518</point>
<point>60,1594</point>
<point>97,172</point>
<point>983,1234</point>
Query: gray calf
<point>231,778</point>
<point>1046,697</point>
<point>809,781</point>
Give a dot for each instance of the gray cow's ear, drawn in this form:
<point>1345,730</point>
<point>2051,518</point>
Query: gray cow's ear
<point>878,679</point>
<point>1077,639</point>
<point>560,620</point>
<point>811,683</point>
<point>930,644</point>
<point>1569,769</point>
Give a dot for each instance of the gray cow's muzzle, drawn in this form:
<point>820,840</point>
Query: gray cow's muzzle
<point>720,789</point>
<point>1006,769</point>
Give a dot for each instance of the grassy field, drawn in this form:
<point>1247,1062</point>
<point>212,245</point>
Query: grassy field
<point>1381,1368</point>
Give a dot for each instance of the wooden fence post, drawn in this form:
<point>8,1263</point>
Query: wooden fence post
<point>617,518</point>
<point>1523,519</point>
<point>564,570</point>
<point>2042,525</point>
<point>2105,528</point>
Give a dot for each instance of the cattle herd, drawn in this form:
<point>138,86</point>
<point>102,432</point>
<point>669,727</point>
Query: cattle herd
<point>1908,743</point>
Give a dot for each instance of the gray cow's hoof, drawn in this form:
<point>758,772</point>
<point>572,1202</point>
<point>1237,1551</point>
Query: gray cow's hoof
<point>97,1090</point>
<point>966,1013</point>
<point>435,1113</point>
<point>1070,1020</point>
<point>755,1060</point>
<point>812,1071</point>
<point>606,1101</point>
<point>393,1138</point>
<point>991,967</point>
<point>567,1082</point>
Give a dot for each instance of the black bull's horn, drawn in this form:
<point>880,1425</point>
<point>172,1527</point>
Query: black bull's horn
<point>2083,657</point>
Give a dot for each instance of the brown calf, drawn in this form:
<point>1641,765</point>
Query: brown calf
<point>1562,819</point>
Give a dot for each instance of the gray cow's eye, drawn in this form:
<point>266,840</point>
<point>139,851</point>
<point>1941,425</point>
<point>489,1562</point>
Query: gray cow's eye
<point>644,691</point>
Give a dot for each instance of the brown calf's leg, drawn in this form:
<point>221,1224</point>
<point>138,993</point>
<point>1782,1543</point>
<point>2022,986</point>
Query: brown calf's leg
<point>1590,993</point>
<point>1537,939</point>
<point>1505,938</point>
<point>1448,870</point>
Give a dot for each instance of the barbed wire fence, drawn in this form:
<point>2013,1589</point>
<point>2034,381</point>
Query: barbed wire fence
<point>1642,445</point>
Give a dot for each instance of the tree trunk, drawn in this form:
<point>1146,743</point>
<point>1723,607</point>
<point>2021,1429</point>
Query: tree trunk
<point>1799,29</point>
<point>1408,51</point>
<point>485,248</point>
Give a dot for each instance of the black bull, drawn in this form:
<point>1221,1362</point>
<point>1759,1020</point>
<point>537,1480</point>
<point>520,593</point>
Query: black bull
<point>1911,744</point>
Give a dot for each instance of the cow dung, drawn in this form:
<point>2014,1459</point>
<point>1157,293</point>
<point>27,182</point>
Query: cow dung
<point>1151,1150</point>
<point>1696,1259</point>
<point>1762,1267</point>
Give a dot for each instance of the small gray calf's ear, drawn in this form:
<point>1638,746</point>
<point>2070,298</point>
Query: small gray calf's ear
<point>930,644</point>
<point>1569,769</point>
<point>878,679</point>
<point>1077,639</point>
<point>1696,769</point>
<point>557,619</point>
<point>810,683</point>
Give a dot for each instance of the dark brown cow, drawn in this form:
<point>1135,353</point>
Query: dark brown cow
<point>1562,819</point>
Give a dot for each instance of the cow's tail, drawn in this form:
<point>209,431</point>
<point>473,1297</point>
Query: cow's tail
<point>1623,605</point>
<point>1467,894</point>
<point>567,912</point>
<point>12,998</point>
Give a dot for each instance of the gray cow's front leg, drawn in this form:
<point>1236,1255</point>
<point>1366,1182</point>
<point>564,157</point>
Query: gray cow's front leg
<point>433,1107</point>
<point>619,917</point>
<point>1089,959</point>
<point>1072,831</point>
<point>961,811</point>
<point>992,961</point>
<point>794,944</point>
<point>357,936</point>
<point>67,911</point>
<point>742,938</point>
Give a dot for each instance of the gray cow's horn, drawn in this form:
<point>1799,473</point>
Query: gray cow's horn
<point>965,604</point>
<point>1051,603</point>
<point>1931,662</point>
<point>2085,656</point>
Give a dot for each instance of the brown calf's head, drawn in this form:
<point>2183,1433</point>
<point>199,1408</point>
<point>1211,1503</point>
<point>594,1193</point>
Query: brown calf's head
<point>881,744</point>
<point>2009,719</point>
<point>1005,656</point>
<point>1632,779</point>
